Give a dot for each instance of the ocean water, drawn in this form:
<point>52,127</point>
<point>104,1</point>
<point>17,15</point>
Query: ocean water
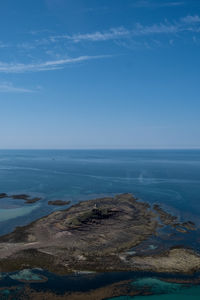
<point>169,177</point>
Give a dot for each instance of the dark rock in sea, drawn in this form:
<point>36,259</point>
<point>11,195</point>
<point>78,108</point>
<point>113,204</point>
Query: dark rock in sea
<point>26,198</point>
<point>32,200</point>
<point>3,195</point>
<point>58,202</point>
<point>168,219</point>
<point>20,196</point>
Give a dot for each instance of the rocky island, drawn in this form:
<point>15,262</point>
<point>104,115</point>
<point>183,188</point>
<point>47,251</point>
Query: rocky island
<point>98,235</point>
<point>24,197</point>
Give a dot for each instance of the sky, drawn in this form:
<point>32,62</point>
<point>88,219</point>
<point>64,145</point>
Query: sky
<point>79,74</point>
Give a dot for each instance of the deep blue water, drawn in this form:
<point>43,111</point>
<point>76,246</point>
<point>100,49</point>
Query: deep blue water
<point>169,177</point>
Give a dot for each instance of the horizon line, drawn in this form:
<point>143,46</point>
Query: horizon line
<point>75,149</point>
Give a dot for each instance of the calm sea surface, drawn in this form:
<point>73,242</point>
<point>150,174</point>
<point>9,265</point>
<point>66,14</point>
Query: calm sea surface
<point>171,178</point>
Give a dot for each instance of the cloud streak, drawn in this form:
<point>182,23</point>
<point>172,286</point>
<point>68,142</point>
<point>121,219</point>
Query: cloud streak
<point>160,4</point>
<point>44,66</point>
<point>113,33</point>
<point>191,19</point>
<point>186,24</point>
<point>8,87</point>
<point>139,34</point>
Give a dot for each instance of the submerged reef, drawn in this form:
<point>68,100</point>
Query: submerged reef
<point>98,235</point>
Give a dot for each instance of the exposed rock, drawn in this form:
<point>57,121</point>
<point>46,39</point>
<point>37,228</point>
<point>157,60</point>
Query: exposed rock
<point>24,197</point>
<point>59,202</point>
<point>20,196</point>
<point>168,219</point>
<point>3,195</point>
<point>165,217</point>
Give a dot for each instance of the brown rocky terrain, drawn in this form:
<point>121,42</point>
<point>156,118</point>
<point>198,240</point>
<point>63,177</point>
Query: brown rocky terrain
<point>95,235</point>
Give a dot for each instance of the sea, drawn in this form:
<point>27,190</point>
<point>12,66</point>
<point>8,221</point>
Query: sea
<point>168,177</point>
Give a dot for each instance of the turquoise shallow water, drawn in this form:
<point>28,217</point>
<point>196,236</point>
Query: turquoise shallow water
<point>163,290</point>
<point>171,178</point>
<point>191,293</point>
<point>83,283</point>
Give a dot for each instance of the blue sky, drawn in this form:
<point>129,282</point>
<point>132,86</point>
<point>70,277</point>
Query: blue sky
<point>100,74</point>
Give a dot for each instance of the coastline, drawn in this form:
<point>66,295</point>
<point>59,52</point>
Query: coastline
<point>96,235</point>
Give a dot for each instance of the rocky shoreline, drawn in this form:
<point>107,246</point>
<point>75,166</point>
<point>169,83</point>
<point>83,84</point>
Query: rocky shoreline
<point>96,235</point>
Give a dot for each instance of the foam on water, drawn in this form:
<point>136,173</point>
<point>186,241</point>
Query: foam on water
<point>26,275</point>
<point>153,247</point>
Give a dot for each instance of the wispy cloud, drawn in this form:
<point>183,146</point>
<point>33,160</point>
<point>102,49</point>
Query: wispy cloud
<point>113,33</point>
<point>117,33</point>
<point>8,87</point>
<point>44,66</point>
<point>157,4</point>
<point>140,35</point>
<point>36,32</point>
<point>3,45</point>
<point>191,19</point>
<point>177,3</point>
<point>188,23</point>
